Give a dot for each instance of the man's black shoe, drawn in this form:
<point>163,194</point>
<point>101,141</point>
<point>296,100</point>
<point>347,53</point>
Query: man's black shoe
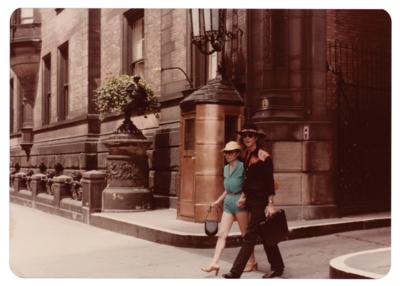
<point>272,274</point>
<point>230,275</point>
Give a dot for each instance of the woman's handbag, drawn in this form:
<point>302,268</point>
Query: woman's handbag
<point>274,228</point>
<point>211,225</point>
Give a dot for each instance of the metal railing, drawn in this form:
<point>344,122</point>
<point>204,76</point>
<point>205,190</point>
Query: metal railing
<point>360,80</point>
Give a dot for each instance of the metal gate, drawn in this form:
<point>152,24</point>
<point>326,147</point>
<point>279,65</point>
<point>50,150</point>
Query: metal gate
<point>361,80</point>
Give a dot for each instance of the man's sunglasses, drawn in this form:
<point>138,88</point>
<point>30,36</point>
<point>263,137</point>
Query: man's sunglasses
<point>230,152</point>
<point>248,134</point>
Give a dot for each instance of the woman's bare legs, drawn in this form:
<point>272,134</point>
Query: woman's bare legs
<point>243,220</point>
<point>225,226</point>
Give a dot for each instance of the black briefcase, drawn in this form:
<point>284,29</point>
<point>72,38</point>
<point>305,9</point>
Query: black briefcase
<point>274,229</point>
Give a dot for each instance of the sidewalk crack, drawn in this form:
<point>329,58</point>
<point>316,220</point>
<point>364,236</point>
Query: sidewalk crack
<point>362,240</point>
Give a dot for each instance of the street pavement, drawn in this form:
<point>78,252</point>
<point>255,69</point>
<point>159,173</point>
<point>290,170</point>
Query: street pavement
<point>48,246</point>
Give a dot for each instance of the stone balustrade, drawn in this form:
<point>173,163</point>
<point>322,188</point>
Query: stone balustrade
<point>93,184</point>
<point>19,181</point>
<point>38,185</point>
<point>75,196</point>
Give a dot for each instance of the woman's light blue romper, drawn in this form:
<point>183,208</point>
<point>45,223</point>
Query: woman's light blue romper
<point>233,186</point>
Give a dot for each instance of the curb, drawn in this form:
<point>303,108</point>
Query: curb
<point>178,239</point>
<point>190,240</point>
<point>330,228</point>
<point>342,268</point>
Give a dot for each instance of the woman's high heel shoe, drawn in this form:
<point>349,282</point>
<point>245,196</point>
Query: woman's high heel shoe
<point>250,267</point>
<point>211,269</point>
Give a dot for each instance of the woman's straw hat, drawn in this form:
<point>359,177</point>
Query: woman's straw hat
<point>231,145</point>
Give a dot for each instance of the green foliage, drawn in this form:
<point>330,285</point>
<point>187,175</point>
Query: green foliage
<point>113,95</point>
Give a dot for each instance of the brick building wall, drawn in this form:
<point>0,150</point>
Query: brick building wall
<point>366,28</point>
<point>73,24</point>
<point>54,142</point>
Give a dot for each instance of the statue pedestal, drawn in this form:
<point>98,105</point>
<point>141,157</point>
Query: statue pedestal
<point>127,174</point>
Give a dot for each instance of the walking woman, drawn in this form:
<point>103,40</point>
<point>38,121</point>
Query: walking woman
<point>258,188</point>
<point>233,180</point>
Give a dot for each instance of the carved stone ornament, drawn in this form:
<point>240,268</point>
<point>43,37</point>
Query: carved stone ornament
<point>121,170</point>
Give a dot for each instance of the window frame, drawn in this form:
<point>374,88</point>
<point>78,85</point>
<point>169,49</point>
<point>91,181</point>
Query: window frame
<point>63,82</point>
<point>12,89</point>
<point>128,63</point>
<point>46,89</point>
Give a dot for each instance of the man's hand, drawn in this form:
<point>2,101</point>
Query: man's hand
<point>241,202</point>
<point>270,210</point>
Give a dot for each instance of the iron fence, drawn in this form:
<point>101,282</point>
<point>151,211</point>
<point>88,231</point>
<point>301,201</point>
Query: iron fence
<point>362,88</point>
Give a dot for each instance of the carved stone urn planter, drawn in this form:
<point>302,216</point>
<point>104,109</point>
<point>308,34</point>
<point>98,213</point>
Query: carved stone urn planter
<point>127,163</point>
<point>127,174</point>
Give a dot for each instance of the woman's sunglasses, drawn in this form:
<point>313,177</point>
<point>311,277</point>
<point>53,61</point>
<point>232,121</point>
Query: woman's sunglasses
<point>248,134</point>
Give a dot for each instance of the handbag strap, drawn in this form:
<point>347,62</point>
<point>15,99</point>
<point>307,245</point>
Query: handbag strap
<point>209,211</point>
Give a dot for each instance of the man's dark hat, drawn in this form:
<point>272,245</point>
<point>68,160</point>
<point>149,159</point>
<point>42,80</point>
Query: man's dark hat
<point>251,127</point>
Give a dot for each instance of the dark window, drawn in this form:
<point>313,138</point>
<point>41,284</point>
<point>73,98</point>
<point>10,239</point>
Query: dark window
<point>46,89</point>
<point>189,134</point>
<point>63,82</point>
<point>20,106</point>
<point>199,68</point>
<point>133,48</point>
<point>15,18</point>
<point>11,105</point>
<point>22,16</point>
<point>231,127</point>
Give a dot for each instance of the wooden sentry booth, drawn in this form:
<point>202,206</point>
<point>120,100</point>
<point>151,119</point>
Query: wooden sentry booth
<point>210,117</point>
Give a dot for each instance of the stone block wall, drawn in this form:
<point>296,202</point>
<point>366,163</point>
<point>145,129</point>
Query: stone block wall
<point>303,167</point>
<point>174,52</point>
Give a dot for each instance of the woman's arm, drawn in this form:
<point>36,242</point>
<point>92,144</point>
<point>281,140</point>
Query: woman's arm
<point>220,199</point>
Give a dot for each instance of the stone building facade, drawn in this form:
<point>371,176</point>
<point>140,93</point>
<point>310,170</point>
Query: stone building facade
<point>284,63</point>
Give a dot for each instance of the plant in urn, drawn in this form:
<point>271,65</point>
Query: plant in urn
<point>127,162</point>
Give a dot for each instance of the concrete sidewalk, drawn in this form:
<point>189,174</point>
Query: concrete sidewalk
<point>161,226</point>
<point>62,248</point>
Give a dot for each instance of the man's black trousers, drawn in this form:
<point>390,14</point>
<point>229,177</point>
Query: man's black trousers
<point>257,214</point>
